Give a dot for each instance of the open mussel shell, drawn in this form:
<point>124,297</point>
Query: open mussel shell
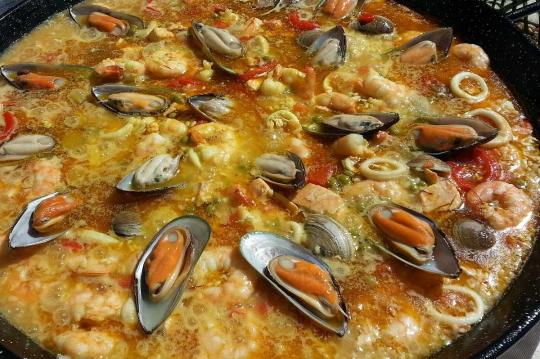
<point>376,26</point>
<point>185,237</point>
<point>442,38</point>
<point>210,106</point>
<point>442,259</point>
<point>328,237</point>
<point>35,76</point>
<point>429,167</point>
<point>329,49</point>
<point>215,42</point>
<point>80,14</point>
<point>155,175</point>
<point>446,135</point>
<point>362,123</point>
<point>23,233</point>
<point>261,249</point>
<point>282,171</point>
<point>130,100</point>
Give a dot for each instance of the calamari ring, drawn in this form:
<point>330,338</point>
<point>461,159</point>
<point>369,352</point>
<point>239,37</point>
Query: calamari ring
<point>469,318</point>
<point>505,131</point>
<point>458,91</point>
<point>385,169</point>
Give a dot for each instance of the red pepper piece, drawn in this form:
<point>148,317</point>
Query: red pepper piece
<point>248,75</point>
<point>366,18</point>
<point>299,24</point>
<point>72,245</point>
<point>185,80</point>
<point>10,126</point>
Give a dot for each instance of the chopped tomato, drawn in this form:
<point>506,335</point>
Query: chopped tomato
<point>72,245</point>
<point>320,174</point>
<point>300,108</point>
<point>184,80</point>
<point>366,18</point>
<point>151,10</point>
<point>475,167</point>
<point>248,75</point>
<point>219,7</point>
<point>240,197</point>
<point>299,24</point>
<point>10,126</point>
<point>7,103</point>
<point>220,24</point>
<point>234,217</point>
<point>263,308</point>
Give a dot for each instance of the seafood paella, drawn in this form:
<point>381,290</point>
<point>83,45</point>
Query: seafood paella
<point>256,178</point>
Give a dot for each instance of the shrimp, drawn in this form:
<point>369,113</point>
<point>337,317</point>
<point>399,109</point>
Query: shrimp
<point>164,65</point>
<point>152,144</point>
<point>501,204</point>
<point>47,176</point>
<point>86,303</point>
<point>337,102</point>
<point>393,94</point>
<point>84,344</point>
<point>472,55</point>
<point>238,286</point>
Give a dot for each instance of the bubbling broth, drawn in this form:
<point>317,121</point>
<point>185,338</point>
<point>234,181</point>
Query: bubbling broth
<point>243,179</point>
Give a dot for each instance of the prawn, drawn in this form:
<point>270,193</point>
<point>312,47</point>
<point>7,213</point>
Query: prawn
<point>238,285</point>
<point>84,344</point>
<point>393,94</point>
<point>47,176</point>
<point>472,55</point>
<point>501,204</point>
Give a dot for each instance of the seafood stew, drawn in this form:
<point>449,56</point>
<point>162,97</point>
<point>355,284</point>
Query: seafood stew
<point>240,202</point>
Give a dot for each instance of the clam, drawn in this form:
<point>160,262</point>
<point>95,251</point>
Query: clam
<point>473,234</point>
<point>211,106</point>
<point>373,25</point>
<point>426,47</point>
<point>35,77</point>
<point>362,123</point>
<point>328,237</point>
<point>106,20</point>
<point>127,224</point>
<point>282,171</point>
<point>286,266</point>
<point>164,268</point>
<point>24,146</point>
<point>307,38</point>
<point>429,167</point>
<point>130,100</point>
<point>40,220</point>
<point>329,49</point>
<point>215,42</point>
<point>414,239</point>
<point>154,175</point>
<point>445,135</point>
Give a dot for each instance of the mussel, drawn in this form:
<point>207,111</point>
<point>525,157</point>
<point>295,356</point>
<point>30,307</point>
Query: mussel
<point>154,175</point>
<point>106,20</point>
<point>282,171</point>
<point>127,224</point>
<point>24,146</point>
<point>328,49</point>
<point>36,77</point>
<point>164,268</point>
<point>473,234</point>
<point>445,135</point>
<point>426,47</point>
<point>210,106</point>
<point>130,100</point>
<point>302,278</point>
<point>414,239</point>
<point>215,42</point>
<point>429,167</point>
<point>362,123</point>
<point>327,237</point>
<point>373,24</point>
<point>40,221</point>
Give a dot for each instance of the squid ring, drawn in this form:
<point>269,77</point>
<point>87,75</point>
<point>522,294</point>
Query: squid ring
<point>455,86</point>
<point>467,319</point>
<point>382,169</point>
<point>505,131</point>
